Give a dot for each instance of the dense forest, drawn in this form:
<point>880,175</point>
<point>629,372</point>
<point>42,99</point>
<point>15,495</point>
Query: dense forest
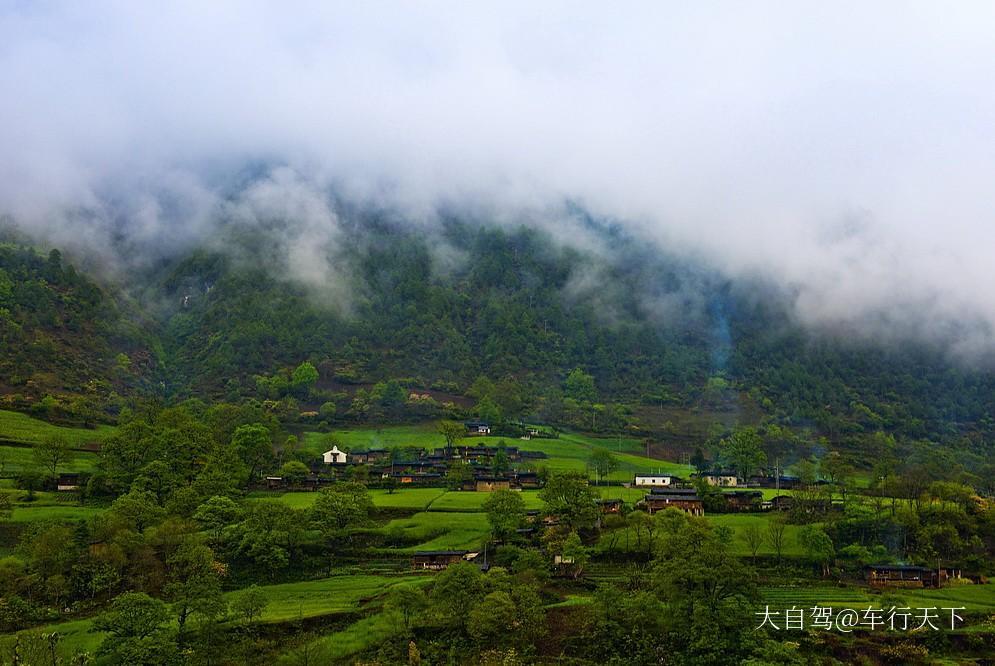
<point>437,312</point>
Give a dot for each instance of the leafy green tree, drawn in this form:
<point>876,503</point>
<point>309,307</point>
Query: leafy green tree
<point>327,411</point>
<point>743,450</point>
<point>699,461</point>
<point>136,625</point>
<point>253,446</point>
<point>505,512</point>
<point>157,478</point>
<point>53,452</point>
<point>753,536</point>
<point>817,546</point>
<point>502,463</point>
<point>708,593</point>
<point>269,536</point>
<point>493,620</point>
<point>248,604</point>
<point>304,378</point>
<point>137,510</point>
<point>193,586</point>
<point>569,496</point>
<point>776,535</point>
<point>575,554</point>
<point>341,506</point>
<point>838,471</point>
<point>294,471</point>
<point>216,514</point>
<point>580,386</point>
<point>456,590</point>
<point>409,601</point>
<point>488,410</point>
<point>30,480</point>
<point>603,462</point>
<point>452,431</point>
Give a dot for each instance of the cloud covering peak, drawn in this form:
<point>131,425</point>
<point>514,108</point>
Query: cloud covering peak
<point>843,150</point>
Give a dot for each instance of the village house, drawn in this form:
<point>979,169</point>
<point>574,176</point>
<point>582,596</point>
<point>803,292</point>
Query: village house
<point>334,456</point>
<point>527,480</point>
<point>68,482</point>
<point>275,482</point>
<point>903,575</point>
<point>489,484</point>
<point>687,501</point>
<point>721,479</point>
<point>771,481</point>
<point>610,505</point>
<point>415,479</point>
<point>368,456</point>
<point>744,500</point>
<point>477,428</point>
<point>778,503</point>
<point>436,560</point>
<point>653,481</point>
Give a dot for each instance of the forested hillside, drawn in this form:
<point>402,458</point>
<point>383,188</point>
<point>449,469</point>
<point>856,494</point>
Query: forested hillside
<point>507,309</point>
<point>67,350</point>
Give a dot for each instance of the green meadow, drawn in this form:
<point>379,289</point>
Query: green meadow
<point>18,458</point>
<point>440,531</point>
<point>18,427</point>
<point>49,506</point>
<point>569,452</point>
<point>737,522</point>
<point>285,602</point>
<point>973,598</point>
<point>326,596</point>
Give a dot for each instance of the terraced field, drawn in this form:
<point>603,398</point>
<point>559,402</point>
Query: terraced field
<point>17,427</point>
<point>285,602</point>
<point>18,458</point>
<point>441,530</point>
<point>974,598</point>
<point>338,594</point>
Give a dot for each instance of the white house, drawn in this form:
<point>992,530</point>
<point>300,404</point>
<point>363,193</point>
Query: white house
<point>334,457</point>
<point>642,480</point>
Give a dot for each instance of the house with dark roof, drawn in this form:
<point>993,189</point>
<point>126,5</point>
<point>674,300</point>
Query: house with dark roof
<point>477,428</point>
<point>743,500</point>
<point>902,575</point>
<point>666,499</point>
<point>721,478</point>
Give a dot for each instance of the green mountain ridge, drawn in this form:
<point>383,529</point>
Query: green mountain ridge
<point>517,309</point>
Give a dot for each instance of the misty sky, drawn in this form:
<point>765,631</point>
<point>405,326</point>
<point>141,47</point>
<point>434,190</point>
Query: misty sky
<point>843,150</point>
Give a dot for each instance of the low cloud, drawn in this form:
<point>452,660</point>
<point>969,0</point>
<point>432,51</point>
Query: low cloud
<point>842,151</point>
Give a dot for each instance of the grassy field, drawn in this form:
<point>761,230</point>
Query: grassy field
<point>974,598</point>
<point>49,506</point>
<point>288,601</point>
<point>418,499</point>
<point>570,452</point>
<point>338,594</point>
<point>738,521</point>
<point>18,458</point>
<point>735,521</point>
<point>438,530</point>
<point>357,637</point>
<point>75,636</point>
<point>18,427</point>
